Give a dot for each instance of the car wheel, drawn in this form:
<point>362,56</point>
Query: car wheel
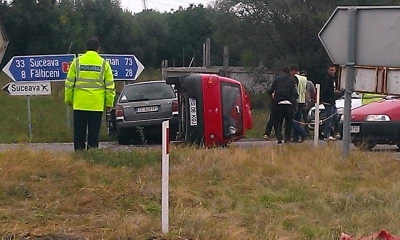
<point>173,134</point>
<point>112,133</point>
<point>123,139</point>
<point>137,139</point>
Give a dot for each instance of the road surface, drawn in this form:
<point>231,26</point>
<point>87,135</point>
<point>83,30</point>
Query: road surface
<point>68,147</point>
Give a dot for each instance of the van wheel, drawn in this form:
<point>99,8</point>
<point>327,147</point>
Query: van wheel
<point>123,139</point>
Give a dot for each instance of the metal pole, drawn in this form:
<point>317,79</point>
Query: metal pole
<point>225,64</point>
<point>165,178</point>
<point>183,57</point>
<point>316,119</point>
<point>68,117</point>
<point>351,61</point>
<point>208,52</point>
<point>28,99</point>
<point>68,109</point>
<point>204,55</point>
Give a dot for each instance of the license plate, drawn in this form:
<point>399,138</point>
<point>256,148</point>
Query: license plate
<point>193,111</point>
<point>147,109</point>
<point>354,129</point>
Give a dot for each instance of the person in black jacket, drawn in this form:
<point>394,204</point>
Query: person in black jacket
<point>284,99</point>
<point>328,97</point>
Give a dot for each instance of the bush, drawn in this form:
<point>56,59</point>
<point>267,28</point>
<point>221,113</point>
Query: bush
<point>258,99</point>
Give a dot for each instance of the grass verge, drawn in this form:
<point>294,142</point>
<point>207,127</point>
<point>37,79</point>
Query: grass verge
<point>283,192</point>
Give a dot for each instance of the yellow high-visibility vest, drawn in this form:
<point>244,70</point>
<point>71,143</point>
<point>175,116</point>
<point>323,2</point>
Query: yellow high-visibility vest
<point>90,83</point>
<point>370,98</point>
<point>301,88</point>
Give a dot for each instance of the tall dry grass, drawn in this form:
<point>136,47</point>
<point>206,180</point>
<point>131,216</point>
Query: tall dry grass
<point>288,192</point>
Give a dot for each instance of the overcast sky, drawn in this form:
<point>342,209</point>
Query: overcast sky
<point>160,5</point>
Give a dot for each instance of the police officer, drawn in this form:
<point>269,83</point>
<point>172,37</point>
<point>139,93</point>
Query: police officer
<point>89,88</point>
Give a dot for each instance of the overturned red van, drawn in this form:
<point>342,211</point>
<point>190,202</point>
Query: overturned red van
<point>213,110</point>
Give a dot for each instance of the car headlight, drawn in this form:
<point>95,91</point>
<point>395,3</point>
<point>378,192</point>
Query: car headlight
<point>377,118</point>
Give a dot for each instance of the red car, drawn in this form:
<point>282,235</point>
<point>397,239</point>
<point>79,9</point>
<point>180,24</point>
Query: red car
<point>376,123</point>
<point>213,110</point>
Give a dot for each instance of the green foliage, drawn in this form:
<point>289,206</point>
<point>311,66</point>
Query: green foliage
<point>272,33</point>
<point>280,32</point>
<point>258,99</point>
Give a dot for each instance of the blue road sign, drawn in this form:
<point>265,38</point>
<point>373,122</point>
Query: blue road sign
<point>124,67</point>
<point>39,67</point>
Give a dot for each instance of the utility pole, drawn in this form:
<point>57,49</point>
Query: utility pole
<point>208,52</point>
<point>144,4</point>
<point>204,55</point>
<point>226,59</point>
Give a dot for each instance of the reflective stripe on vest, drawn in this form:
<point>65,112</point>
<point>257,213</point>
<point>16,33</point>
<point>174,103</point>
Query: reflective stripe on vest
<point>91,83</point>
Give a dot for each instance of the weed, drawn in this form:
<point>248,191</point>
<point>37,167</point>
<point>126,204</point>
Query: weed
<point>288,192</point>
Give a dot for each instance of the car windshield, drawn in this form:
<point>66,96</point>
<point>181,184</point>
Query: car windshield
<point>146,92</point>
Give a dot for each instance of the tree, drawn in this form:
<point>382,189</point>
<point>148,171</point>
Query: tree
<point>188,30</point>
<point>280,32</point>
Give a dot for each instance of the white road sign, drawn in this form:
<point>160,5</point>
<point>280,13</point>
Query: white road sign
<point>377,41</point>
<point>28,88</point>
<point>3,41</point>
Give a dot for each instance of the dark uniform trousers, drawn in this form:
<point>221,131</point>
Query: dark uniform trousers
<point>89,121</point>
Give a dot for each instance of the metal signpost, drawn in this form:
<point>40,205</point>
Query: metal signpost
<point>28,89</point>
<point>363,36</point>
<point>33,74</point>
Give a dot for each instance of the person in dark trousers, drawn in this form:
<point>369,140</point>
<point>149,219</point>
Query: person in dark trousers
<point>89,89</point>
<point>328,97</point>
<point>271,121</point>
<point>301,86</point>
<point>310,99</point>
<point>284,99</point>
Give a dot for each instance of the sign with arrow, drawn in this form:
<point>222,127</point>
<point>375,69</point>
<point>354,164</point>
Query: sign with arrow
<point>39,67</point>
<point>28,88</point>
<point>3,41</point>
<point>124,67</point>
<point>377,36</point>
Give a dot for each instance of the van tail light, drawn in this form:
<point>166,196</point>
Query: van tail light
<point>175,107</point>
<point>119,112</point>
<point>212,81</point>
